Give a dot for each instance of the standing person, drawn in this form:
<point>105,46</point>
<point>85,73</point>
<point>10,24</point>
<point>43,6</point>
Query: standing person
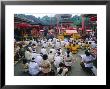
<point>87,62</point>
<point>45,65</point>
<point>34,68</point>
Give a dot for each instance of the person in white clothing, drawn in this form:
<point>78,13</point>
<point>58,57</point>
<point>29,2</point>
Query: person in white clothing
<point>61,70</point>
<point>93,45</point>
<point>34,68</point>
<point>34,55</point>
<point>57,60</point>
<point>53,50</point>
<point>28,55</point>
<point>50,42</point>
<point>54,40</point>
<point>57,45</point>
<point>68,59</point>
<point>43,51</point>
<point>87,59</point>
<point>62,43</point>
<point>45,44</point>
<point>38,59</point>
<point>51,57</point>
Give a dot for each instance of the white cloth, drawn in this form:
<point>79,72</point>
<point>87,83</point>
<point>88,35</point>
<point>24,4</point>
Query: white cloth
<point>62,43</point>
<point>43,51</point>
<point>71,39</point>
<point>34,42</point>
<point>34,69</point>
<point>58,60</point>
<point>68,60</point>
<point>30,49</point>
<point>50,57</point>
<point>87,59</point>
<point>50,40</point>
<point>57,45</point>
<point>53,51</point>
<point>79,43</point>
<point>38,59</point>
<point>54,40</point>
<point>28,55</point>
<point>34,55</point>
<point>93,45</point>
<point>45,44</point>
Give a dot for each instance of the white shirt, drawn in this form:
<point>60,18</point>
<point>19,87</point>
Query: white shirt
<point>45,45</point>
<point>54,40</point>
<point>44,51</point>
<point>34,55</point>
<point>93,45</point>
<point>38,60</point>
<point>87,59</point>
<point>57,44</point>
<point>30,49</point>
<point>62,43</point>
<point>49,40</point>
<point>28,55</point>
<point>79,43</point>
<point>71,39</point>
<point>58,60</point>
<point>33,68</point>
<point>68,60</point>
<point>34,42</point>
<point>53,51</point>
<point>50,57</point>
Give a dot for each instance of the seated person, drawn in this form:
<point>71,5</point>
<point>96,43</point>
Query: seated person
<point>34,68</point>
<point>61,70</point>
<point>87,62</point>
<point>45,65</point>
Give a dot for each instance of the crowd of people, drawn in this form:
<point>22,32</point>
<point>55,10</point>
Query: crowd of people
<point>51,60</point>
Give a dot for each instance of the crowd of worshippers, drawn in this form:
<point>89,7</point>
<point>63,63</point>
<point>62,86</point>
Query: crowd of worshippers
<point>52,62</point>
